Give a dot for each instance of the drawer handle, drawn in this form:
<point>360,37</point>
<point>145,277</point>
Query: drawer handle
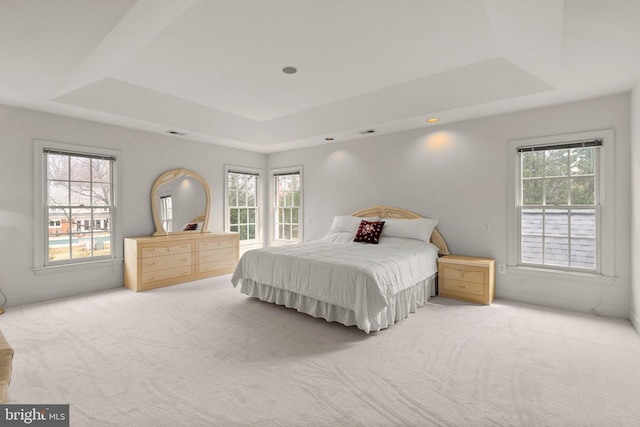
<point>206,269</point>
<point>152,278</point>
<point>184,246</point>
<point>184,259</point>
<point>184,273</point>
<point>151,264</point>
<point>462,286</point>
<point>205,256</point>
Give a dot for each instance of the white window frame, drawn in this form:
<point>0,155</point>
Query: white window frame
<point>605,215</point>
<point>285,171</point>
<point>227,216</point>
<point>41,217</point>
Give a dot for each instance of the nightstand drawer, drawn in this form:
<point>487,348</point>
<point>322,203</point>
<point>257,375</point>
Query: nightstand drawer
<point>465,273</point>
<point>463,287</point>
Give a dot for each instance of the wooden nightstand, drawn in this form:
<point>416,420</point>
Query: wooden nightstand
<point>467,278</point>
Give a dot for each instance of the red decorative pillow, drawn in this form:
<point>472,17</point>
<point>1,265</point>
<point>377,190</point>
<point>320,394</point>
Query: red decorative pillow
<point>369,231</point>
<point>190,227</point>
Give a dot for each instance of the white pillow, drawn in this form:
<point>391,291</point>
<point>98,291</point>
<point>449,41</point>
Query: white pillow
<point>348,223</point>
<point>419,228</point>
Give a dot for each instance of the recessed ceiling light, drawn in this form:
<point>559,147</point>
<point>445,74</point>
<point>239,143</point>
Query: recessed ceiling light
<point>289,70</point>
<point>433,120</point>
<point>175,132</point>
<point>329,139</point>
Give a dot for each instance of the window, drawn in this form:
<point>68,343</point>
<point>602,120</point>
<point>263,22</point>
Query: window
<point>166,213</point>
<point>288,205</point>
<point>242,214</point>
<point>75,187</point>
<point>563,203</point>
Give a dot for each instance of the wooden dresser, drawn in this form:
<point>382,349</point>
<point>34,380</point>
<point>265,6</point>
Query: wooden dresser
<point>157,261</point>
<point>467,278</point>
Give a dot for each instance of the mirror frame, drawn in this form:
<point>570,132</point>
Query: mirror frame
<point>172,175</point>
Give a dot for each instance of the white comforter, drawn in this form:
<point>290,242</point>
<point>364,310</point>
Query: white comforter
<point>338,271</point>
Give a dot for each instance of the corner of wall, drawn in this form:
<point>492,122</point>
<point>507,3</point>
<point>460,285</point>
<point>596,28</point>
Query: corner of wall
<point>635,320</point>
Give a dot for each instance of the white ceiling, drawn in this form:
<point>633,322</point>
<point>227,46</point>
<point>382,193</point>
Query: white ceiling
<point>212,68</point>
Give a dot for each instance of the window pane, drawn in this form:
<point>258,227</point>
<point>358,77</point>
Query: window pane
<point>58,193</point>
<point>101,170</point>
<point>556,162</point>
<point>233,216</point>
<point>294,231</point>
<point>556,222</point>
<point>583,253</point>
<point>556,251</point>
<point>80,194</point>
<point>101,195</point>
<point>243,216</point>
<point>243,232</point>
<point>251,198</point>
<point>252,232</point>
<point>532,192</point>
<point>57,167</point>
<point>287,231</point>
<point>233,228</point>
<point>533,164</point>
<point>294,215</point>
<point>583,190</point>
<point>556,192</point>
<point>80,168</point>
<point>532,222</point>
<point>583,223</point>
<point>582,161</point>
<point>252,215</point>
<point>59,246</point>
<point>233,198</point>
<point>532,249</point>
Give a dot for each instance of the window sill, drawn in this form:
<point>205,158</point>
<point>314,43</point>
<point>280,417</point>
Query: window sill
<point>570,276</point>
<point>68,268</point>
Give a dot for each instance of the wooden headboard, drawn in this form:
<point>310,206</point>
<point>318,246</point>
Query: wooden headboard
<point>391,212</point>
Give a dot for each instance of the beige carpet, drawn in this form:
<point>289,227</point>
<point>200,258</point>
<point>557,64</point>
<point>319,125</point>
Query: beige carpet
<point>203,354</point>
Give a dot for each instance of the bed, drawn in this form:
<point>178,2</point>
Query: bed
<point>369,284</point>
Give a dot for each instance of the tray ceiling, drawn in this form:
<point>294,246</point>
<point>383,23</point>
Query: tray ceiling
<point>212,69</point>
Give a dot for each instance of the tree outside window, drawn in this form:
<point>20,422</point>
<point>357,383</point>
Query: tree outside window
<point>242,204</point>
<point>559,202</point>
<point>288,207</point>
<point>79,203</point>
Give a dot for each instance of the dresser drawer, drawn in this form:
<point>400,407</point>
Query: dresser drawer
<point>165,248</point>
<point>209,244</point>
<point>217,255</point>
<point>216,265</point>
<point>469,288</point>
<point>171,273</point>
<point>150,264</point>
<point>465,273</point>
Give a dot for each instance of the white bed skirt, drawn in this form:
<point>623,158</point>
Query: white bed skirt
<point>399,307</point>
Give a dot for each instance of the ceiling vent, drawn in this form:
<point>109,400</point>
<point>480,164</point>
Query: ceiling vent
<point>366,132</point>
<point>175,132</point>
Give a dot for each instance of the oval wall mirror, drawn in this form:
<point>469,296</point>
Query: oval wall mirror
<point>180,203</point>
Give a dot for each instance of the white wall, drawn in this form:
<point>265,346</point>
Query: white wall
<point>458,174</point>
<point>634,312</point>
<point>144,156</point>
